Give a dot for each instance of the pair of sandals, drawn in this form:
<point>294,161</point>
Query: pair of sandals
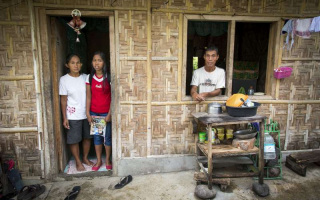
<point>31,192</point>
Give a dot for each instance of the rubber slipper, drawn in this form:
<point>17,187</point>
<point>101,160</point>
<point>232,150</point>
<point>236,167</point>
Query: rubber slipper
<point>74,193</point>
<point>31,192</point>
<point>109,167</point>
<point>123,182</point>
<point>95,168</point>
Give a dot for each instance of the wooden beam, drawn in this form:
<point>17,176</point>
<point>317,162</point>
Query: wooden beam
<point>17,78</point>
<point>218,101</point>
<point>236,14</point>
<point>149,78</point>
<point>63,6</point>
<point>19,130</point>
<point>300,59</point>
<point>14,23</point>
<point>180,57</point>
<point>98,13</point>
<point>230,56</point>
<point>184,58</point>
<point>117,70</point>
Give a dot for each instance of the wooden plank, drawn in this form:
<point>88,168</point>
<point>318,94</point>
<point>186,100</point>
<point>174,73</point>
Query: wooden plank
<point>83,13</point>
<point>19,130</point>
<point>261,152</point>
<point>12,23</point>
<point>224,118</point>
<point>227,160</point>
<point>184,60</point>
<point>17,78</point>
<point>180,82</point>
<point>55,90</point>
<point>200,176</point>
<point>117,67</point>
<point>226,150</point>
<point>230,56</point>
<point>149,79</point>
<point>234,175</point>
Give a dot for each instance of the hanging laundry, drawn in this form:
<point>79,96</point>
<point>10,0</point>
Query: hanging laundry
<point>301,27</point>
<point>315,25</point>
<point>288,28</point>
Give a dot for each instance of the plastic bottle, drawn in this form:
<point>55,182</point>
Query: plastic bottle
<point>251,91</point>
<point>269,147</point>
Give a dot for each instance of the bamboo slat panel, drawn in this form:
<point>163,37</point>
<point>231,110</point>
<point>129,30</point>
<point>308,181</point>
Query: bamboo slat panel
<point>133,79</point>
<point>17,104</point>
<point>304,120</point>
<point>18,12</point>
<point>304,82</point>
<point>22,148</point>
<point>165,35</point>
<point>15,51</point>
<point>302,47</point>
<point>172,130</point>
<point>164,80</point>
<point>132,33</point>
<point>133,131</point>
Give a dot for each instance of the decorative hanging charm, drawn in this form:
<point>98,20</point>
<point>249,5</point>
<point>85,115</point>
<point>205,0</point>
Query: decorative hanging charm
<point>76,23</point>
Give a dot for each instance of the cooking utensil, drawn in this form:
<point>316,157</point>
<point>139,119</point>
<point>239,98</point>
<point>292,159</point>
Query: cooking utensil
<point>245,134</point>
<point>244,103</point>
<point>214,108</point>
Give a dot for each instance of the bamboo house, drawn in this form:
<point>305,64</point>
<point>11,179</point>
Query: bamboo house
<point>151,45</point>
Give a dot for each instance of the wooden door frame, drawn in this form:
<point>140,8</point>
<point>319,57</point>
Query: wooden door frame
<point>49,87</point>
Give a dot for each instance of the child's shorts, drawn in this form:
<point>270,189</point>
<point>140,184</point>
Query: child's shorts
<point>97,139</point>
<point>78,129</point>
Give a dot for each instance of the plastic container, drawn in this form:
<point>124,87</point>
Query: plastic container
<point>269,147</point>
<point>202,137</point>
<point>282,72</point>
<point>251,91</point>
<point>243,111</point>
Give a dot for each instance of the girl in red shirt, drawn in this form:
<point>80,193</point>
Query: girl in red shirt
<point>98,104</point>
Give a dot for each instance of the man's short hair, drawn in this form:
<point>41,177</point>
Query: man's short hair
<point>211,48</point>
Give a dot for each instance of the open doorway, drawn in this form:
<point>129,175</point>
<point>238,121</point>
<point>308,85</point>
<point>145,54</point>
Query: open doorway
<point>94,36</point>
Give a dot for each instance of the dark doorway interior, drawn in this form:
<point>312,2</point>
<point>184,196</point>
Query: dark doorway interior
<point>94,37</point>
<point>202,34</point>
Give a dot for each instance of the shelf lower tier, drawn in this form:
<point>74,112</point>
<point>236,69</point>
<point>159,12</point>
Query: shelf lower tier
<point>226,150</point>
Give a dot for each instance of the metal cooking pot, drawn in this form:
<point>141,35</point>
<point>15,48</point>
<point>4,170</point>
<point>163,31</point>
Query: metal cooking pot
<point>214,108</point>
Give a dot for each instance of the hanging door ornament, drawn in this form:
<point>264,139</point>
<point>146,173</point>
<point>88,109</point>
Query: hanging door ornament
<point>76,23</point>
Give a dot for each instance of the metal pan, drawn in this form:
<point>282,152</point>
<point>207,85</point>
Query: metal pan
<point>245,134</point>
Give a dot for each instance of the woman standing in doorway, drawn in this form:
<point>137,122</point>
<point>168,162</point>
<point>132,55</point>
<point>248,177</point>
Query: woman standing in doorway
<point>98,104</point>
<point>72,89</point>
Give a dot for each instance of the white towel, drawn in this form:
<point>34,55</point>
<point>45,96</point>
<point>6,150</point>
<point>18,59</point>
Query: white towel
<point>301,27</point>
<point>315,25</point>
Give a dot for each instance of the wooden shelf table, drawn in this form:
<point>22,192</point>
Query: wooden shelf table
<point>216,151</point>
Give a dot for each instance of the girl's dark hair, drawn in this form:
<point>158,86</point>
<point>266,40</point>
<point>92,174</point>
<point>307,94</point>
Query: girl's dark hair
<point>104,68</point>
<point>68,58</point>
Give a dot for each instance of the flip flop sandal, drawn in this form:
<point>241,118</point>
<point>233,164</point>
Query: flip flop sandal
<point>74,193</point>
<point>31,192</point>
<point>123,182</point>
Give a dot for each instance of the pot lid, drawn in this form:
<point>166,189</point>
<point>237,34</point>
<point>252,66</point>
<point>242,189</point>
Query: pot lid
<point>234,100</point>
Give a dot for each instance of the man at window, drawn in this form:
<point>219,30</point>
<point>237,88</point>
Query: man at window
<point>208,80</point>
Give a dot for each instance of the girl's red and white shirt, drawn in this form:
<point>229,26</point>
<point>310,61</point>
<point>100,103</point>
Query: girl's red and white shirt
<point>100,96</point>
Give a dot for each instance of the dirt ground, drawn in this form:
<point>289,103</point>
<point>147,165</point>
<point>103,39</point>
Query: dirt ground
<point>181,185</point>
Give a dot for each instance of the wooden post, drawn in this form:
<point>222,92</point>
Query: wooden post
<point>261,152</point>
<point>209,133</point>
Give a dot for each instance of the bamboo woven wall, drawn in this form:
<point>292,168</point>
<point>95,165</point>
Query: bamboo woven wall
<point>171,126</point>
<point>17,96</point>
